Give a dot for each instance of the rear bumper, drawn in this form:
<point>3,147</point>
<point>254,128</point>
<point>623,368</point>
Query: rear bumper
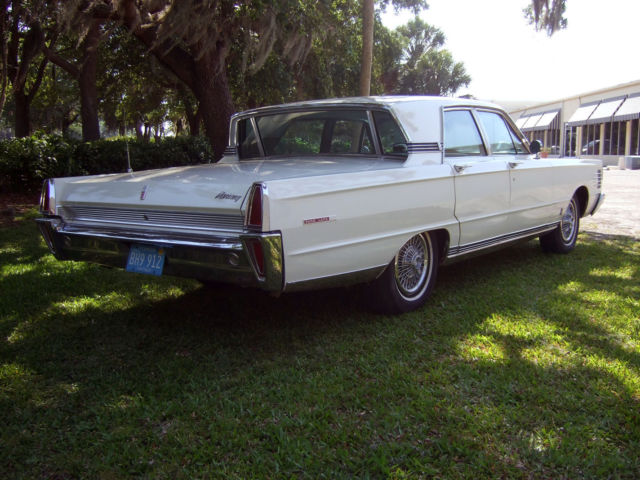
<point>252,260</point>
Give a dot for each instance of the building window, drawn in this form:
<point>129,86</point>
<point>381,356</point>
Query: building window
<point>635,137</point>
<point>614,138</point>
<point>553,137</point>
<point>570,141</point>
<point>590,140</point>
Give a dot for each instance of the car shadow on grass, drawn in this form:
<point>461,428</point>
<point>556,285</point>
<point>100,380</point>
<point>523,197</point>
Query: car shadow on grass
<point>143,374</point>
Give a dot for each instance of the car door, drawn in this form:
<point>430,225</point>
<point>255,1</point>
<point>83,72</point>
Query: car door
<point>481,182</point>
<point>531,180</point>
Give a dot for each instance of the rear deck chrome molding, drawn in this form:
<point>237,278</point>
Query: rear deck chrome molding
<point>149,218</point>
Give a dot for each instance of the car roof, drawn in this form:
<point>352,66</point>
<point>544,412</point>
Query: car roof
<point>375,101</point>
<point>420,116</point>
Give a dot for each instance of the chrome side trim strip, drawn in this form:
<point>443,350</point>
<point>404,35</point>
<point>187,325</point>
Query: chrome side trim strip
<point>492,242</point>
<point>230,150</point>
<point>423,147</point>
<point>342,280</point>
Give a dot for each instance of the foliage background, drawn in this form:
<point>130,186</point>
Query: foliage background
<point>26,162</point>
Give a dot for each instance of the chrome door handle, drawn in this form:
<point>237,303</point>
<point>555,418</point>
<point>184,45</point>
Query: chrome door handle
<point>461,166</point>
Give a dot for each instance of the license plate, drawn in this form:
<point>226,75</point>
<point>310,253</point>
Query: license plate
<point>146,259</point>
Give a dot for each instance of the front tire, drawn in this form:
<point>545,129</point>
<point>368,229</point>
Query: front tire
<point>563,238</point>
<point>408,280</point>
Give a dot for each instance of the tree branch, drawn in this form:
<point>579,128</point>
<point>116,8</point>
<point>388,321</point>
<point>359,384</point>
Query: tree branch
<point>62,62</point>
<point>39,76</point>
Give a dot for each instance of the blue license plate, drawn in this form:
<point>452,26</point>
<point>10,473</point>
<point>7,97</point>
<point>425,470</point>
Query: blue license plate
<point>146,259</point>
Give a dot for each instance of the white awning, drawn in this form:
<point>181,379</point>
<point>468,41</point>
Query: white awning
<point>629,110</point>
<point>531,122</point>
<point>604,111</point>
<point>521,121</point>
<point>545,121</point>
<point>581,115</point>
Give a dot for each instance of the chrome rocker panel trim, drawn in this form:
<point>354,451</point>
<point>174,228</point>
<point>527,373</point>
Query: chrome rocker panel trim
<point>456,253</point>
<point>219,258</point>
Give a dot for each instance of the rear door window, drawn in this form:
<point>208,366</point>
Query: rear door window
<point>461,135</point>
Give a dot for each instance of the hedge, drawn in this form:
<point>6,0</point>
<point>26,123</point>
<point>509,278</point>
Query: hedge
<point>26,162</point>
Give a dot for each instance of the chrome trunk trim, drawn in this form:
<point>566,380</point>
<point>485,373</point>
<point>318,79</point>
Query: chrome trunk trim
<point>149,218</point>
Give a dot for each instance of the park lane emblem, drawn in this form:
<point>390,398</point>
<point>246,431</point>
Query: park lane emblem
<point>143,193</point>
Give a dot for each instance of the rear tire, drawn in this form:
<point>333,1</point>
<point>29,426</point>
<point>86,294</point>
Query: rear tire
<point>563,238</point>
<point>408,280</point>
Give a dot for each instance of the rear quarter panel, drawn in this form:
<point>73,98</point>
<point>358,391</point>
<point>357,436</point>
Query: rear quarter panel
<point>345,223</point>
<point>570,174</point>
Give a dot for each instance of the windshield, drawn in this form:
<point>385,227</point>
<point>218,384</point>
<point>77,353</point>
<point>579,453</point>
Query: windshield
<point>318,132</point>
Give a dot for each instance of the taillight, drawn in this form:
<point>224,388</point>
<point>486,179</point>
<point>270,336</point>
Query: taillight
<point>48,198</point>
<point>254,212</point>
<point>257,255</point>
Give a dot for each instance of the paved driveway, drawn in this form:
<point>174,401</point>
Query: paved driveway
<point>620,212</point>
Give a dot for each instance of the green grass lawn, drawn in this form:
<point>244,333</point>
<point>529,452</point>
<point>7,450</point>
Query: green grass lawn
<point>521,365</point>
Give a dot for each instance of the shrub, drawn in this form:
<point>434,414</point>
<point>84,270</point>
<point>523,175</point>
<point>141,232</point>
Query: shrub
<point>26,162</point>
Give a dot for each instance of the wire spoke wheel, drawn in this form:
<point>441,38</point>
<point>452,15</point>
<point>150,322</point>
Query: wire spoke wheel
<point>562,239</point>
<point>568,223</point>
<point>412,265</point>
<point>408,280</point>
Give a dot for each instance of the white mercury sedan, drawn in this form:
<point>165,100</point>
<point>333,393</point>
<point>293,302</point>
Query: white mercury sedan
<point>376,190</point>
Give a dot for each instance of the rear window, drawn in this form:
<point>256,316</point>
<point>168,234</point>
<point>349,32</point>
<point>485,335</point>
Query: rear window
<point>339,131</point>
<point>316,132</point>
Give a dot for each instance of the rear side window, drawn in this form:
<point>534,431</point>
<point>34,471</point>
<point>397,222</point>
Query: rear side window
<point>247,140</point>
<point>349,136</point>
<point>392,140</point>
<point>461,135</point>
<point>501,137</point>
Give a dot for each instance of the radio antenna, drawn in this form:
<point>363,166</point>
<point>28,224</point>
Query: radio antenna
<point>126,139</point>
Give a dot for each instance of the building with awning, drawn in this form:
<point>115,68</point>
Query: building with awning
<point>603,124</point>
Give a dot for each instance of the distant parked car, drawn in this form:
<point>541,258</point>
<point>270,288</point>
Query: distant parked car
<point>377,190</point>
<point>593,147</point>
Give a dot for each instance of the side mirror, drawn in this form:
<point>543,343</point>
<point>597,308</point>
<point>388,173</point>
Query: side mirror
<point>535,146</point>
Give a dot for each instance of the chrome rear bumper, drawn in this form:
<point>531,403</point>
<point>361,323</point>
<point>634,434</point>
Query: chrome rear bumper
<point>220,258</point>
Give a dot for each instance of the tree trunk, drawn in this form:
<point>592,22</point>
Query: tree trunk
<point>367,47</point>
<point>87,82</point>
<point>22,125</point>
<point>202,71</point>
<point>139,132</point>
<point>193,118</point>
<point>211,88</point>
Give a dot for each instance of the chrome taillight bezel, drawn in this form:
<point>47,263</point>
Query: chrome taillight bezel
<point>48,197</point>
<point>254,218</point>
